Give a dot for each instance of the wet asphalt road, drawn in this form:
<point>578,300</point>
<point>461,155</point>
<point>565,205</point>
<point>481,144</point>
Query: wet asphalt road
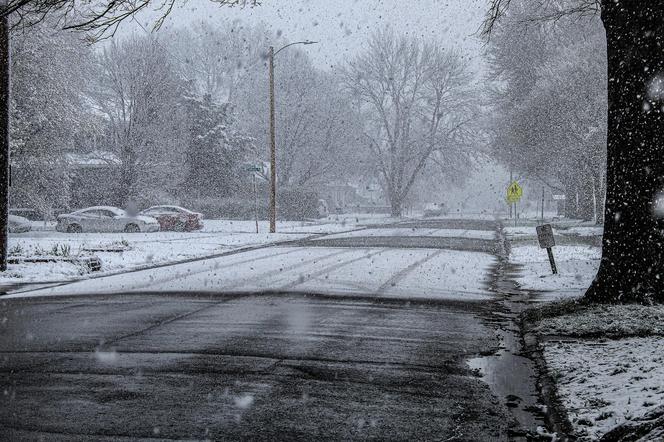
<point>247,366</point>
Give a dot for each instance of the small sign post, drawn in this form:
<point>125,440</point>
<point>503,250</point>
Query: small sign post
<point>546,241</point>
<point>254,169</point>
<point>514,194</point>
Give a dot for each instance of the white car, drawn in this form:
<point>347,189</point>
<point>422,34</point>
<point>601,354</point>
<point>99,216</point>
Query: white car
<point>105,219</point>
<point>18,224</point>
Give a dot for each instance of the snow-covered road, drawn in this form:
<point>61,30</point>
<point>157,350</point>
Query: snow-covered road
<point>443,260</point>
<point>384,272</point>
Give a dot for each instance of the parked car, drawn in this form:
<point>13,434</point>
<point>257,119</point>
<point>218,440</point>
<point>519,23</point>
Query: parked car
<point>105,219</point>
<point>432,210</point>
<point>18,224</point>
<point>36,215</point>
<point>175,218</point>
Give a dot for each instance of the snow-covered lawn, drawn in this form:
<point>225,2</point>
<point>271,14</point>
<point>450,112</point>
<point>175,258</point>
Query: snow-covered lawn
<point>523,232</point>
<point>577,266</point>
<point>134,250</point>
<point>613,321</point>
<point>582,231</point>
<point>603,384</point>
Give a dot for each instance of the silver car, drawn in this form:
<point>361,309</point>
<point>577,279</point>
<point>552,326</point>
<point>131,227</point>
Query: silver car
<point>105,219</point>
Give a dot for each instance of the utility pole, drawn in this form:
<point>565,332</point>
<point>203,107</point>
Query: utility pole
<point>273,150</point>
<point>253,175</point>
<point>510,204</point>
<point>5,90</point>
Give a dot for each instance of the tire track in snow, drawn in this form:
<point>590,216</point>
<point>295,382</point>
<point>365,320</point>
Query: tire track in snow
<point>404,272</point>
<point>284,269</point>
<point>331,268</point>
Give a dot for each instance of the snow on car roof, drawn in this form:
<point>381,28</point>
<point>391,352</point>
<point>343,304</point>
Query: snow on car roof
<point>18,219</point>
<point>165,206</point>
<point>115,210</point>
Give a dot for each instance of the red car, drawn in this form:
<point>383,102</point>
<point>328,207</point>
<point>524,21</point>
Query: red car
<point>175,218</point>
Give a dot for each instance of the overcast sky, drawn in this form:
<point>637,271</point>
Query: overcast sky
<point>343,26</point>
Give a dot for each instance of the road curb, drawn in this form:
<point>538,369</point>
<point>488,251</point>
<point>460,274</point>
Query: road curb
<point>555,415</point>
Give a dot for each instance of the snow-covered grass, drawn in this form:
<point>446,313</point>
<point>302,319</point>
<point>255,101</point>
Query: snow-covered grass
<point>607,361</point>
<point>611,321</point>
<point>143,250</point>
<point>582,231</point>
<point>604,383</point>
<point>576,264</point>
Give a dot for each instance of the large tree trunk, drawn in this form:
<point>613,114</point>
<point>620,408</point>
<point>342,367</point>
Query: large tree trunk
<point>396,207</point>
<point>632,254</point>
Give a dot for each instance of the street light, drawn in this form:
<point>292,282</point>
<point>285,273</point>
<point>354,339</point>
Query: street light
<point>273,153</point>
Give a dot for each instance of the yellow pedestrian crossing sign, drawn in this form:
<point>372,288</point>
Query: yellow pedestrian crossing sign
<point>514,192</point>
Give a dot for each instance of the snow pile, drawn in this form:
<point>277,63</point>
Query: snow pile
<point>603,384</point>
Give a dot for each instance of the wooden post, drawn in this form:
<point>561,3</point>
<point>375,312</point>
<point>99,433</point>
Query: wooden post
<point>253,175</point>
<point>273,154</point>
<point>552,261</point>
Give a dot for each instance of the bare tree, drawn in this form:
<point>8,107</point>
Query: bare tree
<point>139,92</point>
<point>549,106</point>
<point>316,131</point>
<point>632,251</point>
<point>416,99</point>
<point>218,58</point>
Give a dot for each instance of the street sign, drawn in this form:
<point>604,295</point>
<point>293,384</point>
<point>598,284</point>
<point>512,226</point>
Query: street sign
<point>514,192</point>
<point>253,168</point>
<point>546,241</point>
<point>559,197</point>
<point>545,236</point>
